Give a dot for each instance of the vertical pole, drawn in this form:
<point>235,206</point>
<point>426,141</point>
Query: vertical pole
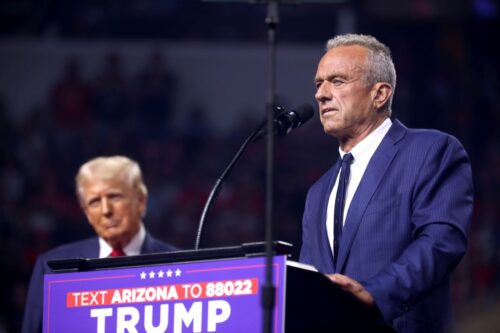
<point>268,289</point>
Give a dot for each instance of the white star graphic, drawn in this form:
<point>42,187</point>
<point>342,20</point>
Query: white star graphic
<point>151,275</point>
<point>143,275</point>
<point>160,274</point>
<point>178,272</point>
<point>169,273</point>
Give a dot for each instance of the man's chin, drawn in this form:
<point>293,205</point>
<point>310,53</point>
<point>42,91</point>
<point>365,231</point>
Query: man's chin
<point>332,131</point>
<point>112,235</point>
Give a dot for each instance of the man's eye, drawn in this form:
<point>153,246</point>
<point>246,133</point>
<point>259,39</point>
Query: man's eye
<point>337,82</point>
<point>93,203</point>
<point>115,197</point>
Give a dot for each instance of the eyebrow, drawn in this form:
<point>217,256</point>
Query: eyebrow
<point>91,199</point>
<point>331,77</point>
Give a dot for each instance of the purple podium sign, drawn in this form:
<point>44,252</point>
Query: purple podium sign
<point>207,296</point>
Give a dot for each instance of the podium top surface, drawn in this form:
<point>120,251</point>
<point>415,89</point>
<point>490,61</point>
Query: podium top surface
<point>243,250</point>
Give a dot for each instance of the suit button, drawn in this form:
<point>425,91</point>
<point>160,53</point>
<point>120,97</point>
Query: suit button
<point>406,307</point>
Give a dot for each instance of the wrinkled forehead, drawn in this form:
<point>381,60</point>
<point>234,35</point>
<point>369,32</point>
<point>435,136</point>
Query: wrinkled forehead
<point>98,184</point>
<point>342,61</point>
<point>103,185</point>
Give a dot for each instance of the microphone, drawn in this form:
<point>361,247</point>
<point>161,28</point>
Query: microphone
<point>288,120</point>
<point>285,121</point>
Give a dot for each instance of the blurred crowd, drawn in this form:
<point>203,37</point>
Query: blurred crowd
<point>453,85</point>
<point>115,114</point>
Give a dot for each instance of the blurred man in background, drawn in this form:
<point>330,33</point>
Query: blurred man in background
<point>113,196</point>
<point>389,221</point>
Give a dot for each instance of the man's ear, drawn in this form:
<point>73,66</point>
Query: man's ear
<point>382,91</point>
<point>83,207</point>
<point>143,204</point>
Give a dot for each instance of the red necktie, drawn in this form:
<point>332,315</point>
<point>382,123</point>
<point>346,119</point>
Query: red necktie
<point>117,253</point>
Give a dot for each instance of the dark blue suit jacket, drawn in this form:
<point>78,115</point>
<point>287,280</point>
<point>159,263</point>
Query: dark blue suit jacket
<point>87,248</point>
<point>405,230</point>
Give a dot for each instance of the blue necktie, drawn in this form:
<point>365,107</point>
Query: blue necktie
<point>339,204</point>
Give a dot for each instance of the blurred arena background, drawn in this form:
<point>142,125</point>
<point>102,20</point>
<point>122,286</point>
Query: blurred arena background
<point>179,84</point>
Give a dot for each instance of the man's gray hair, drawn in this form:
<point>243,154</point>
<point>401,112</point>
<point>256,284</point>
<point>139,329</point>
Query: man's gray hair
<point>380,67</point>
<point>110,168</point>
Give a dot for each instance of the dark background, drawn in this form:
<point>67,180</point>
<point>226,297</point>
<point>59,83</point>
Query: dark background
<point>446,57</point>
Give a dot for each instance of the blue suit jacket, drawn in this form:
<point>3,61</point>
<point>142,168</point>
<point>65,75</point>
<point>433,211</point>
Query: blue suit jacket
<point>87,248</point>
<point>405,230</point>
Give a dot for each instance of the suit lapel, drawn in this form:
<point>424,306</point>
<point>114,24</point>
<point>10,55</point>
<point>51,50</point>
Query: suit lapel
<point>90,249</point>
<point>147,245</point>
<point>374,173</point>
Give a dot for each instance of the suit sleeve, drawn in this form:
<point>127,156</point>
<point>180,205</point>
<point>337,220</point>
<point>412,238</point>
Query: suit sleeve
<point>32,321</point>
<point>442,209</point>
<point>305,250</point>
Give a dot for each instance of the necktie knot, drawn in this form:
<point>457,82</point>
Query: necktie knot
<point>347,159</point>
<point>118,252</point>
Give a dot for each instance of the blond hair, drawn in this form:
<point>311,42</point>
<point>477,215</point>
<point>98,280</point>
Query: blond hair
<point>107,168</point>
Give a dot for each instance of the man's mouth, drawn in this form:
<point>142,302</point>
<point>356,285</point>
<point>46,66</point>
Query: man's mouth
<point>328,110</point>
<point>110,226</point>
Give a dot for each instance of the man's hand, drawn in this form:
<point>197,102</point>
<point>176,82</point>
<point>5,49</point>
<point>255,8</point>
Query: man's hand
<point>354,287</point>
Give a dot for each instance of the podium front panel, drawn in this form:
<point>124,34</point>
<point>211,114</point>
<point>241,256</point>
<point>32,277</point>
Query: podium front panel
<point>205,296</point>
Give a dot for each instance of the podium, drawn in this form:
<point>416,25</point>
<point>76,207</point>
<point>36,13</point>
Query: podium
<point>208,290</point>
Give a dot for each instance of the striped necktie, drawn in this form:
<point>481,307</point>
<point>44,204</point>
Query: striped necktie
<point>339,204</point>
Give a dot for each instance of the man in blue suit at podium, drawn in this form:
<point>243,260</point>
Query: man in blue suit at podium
<point>389,221</point>
<point>113,196</point>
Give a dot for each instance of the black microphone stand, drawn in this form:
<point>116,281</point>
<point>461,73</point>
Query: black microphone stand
<point>268,289</point>
<point>258,133</point>
<point>220,181</point>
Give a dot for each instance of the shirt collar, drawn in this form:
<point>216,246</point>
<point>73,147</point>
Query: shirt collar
<point>131,249</point>
<point>364,150</point>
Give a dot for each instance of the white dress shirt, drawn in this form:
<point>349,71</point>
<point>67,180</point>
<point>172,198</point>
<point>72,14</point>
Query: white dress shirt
<point>362,154</point>
<point>131,249</point>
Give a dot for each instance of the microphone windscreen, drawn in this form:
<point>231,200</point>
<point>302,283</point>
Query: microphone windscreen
<point>304,113</point>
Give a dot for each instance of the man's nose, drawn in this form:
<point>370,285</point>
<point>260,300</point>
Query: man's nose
<point>322,92</point>
<point>107,208</point>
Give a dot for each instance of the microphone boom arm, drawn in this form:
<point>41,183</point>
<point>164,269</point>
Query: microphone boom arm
<point>284,121</point>
<point>218,184</point>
